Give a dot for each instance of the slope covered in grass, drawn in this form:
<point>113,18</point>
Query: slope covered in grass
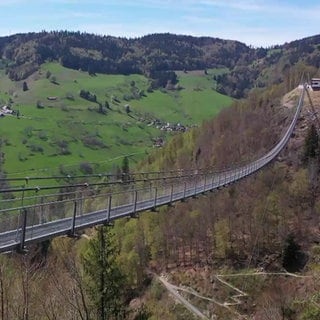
<point>54,129</point>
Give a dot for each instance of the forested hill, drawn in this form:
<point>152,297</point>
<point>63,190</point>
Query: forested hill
<point>158,54</point>
<point>106,54</point>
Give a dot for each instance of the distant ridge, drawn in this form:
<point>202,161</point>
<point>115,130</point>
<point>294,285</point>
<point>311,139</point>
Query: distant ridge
<point>22,55</point>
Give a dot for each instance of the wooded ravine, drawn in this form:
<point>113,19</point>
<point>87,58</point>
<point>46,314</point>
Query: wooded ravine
<point>248,235</point>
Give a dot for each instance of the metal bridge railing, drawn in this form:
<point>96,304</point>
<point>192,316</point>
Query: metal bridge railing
<point>35,218</point>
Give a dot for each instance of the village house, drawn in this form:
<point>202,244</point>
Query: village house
<point>5,110</point>
<point>315,84</point>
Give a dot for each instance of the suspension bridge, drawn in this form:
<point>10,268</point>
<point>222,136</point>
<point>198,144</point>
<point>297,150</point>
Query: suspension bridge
<point>31,219</point>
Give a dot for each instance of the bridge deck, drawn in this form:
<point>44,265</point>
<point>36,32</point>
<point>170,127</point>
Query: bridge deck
<point>49,218</point>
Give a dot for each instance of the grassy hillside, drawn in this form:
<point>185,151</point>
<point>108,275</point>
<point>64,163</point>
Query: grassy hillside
<point>55,129</point>
<point>157,55</point>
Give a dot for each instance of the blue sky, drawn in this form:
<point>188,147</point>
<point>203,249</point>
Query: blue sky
<point>256,23</point>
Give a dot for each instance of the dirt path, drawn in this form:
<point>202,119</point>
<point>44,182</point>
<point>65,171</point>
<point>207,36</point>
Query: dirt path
<point>174,291</point>
<point>236,298</point>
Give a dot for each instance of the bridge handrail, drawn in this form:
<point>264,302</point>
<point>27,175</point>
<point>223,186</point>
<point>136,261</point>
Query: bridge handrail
<point>39,221</point>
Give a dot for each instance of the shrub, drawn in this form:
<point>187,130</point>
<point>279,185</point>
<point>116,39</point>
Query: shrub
<point>28,131</point>
<point>85,94</point>
<point>53,80</point>
<point>64,151</point>
<point>36,148</point>
<point>86,168</point>
<point>93,142</point>
<point>22,157</point>
<point>42,135</point>
<point>69,96</point>
<point>40,105</point>
<point>63,147</point>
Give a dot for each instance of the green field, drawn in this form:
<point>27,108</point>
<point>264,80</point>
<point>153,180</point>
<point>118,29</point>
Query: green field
<point>63,132</point>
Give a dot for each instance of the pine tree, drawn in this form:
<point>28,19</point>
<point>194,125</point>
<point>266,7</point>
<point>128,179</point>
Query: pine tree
<point>106,281</point>
<point>311,147</point>
<point>25,86</point>
<point>293,259</point>
<point>125,169</point>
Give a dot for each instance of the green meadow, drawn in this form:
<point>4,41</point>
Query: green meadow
<point>57,131</point>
